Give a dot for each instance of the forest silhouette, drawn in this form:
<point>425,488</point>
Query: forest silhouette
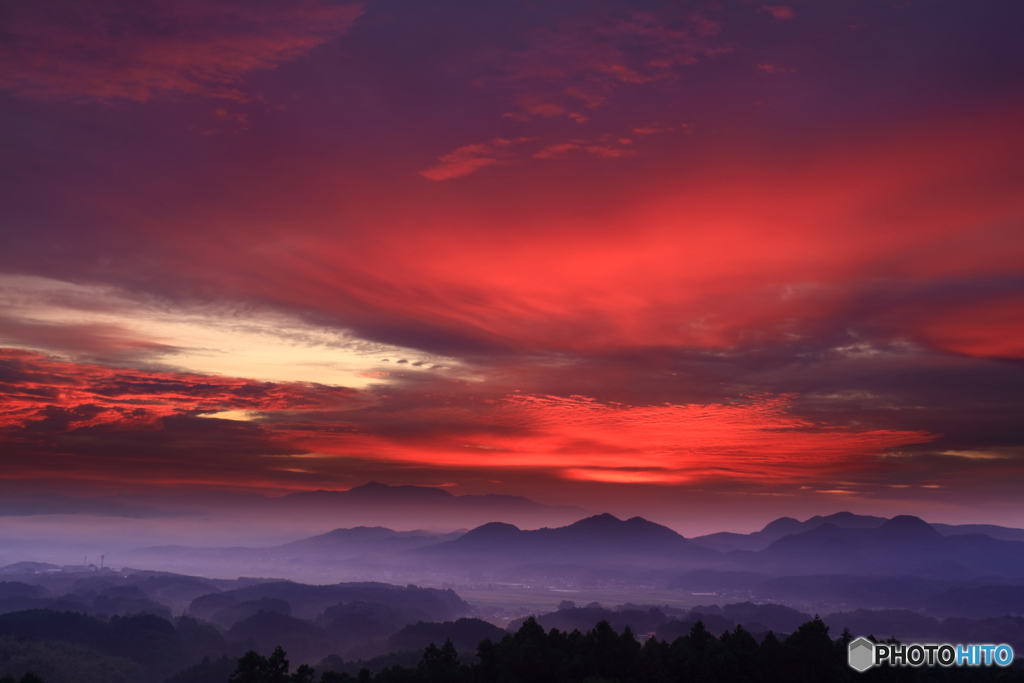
<point>533,655</point>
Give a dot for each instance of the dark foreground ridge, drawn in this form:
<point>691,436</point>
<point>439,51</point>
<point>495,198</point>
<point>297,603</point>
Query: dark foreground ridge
<point>602,655</point>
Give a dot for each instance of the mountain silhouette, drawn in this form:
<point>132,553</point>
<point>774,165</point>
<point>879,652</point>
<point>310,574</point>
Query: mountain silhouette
<point>784,526</point>
<point>908,529</point>
<point>601,536</point>
<point>901,545</point>
<point>363,540</point>
<point>376,504</point>
<point>999,532</point>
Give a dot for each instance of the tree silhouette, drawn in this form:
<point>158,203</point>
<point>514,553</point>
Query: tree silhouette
<point>255,668</point>
<point>601,655</point>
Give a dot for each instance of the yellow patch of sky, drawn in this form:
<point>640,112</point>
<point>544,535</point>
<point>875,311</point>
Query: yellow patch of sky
<point>978,455</point>
<point>240,415</point>
<point>233,341</point>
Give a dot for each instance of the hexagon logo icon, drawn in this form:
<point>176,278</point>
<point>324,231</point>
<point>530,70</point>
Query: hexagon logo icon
<point>861,654</point>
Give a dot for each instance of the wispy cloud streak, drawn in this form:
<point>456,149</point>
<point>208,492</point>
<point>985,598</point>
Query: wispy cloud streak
<point>105,50</point>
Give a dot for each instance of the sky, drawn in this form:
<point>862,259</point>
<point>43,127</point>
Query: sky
<point>708,262</point>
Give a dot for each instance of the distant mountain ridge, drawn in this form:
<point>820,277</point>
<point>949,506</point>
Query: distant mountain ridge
<point>863,545</point>
<point>371,504</point>
<point>339,545</point>
<point>376,504</point>
<point>843,543</point>
<point>903,545</point>
<point>408,495</point>
<point>999,532</point>
<point>600,536</point>
<point>362,536</point>
<point>787,526</point>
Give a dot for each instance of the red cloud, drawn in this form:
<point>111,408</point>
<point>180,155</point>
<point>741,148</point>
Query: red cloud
<point>37,388</point>
<point>774,69</point>
<point>773,247</point>
<point>555,151</point>
<point>59,407</point>
<point>779,11</point>
<point>589,57</point>
<point>579,438</point>
<point>609,152</point>
<point>105,50</point>
<point>463,161</point>
<point>984,329</point>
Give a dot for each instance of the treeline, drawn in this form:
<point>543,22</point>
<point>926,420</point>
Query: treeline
<point>27,678</point>
<point>352,620</point>
<point>533,655</point>
<point>69,646</point>
<point>759,619</point>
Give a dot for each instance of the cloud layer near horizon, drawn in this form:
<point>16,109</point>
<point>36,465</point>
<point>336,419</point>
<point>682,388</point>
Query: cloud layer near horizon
<point>123,429</point>
<point>774,248</point>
